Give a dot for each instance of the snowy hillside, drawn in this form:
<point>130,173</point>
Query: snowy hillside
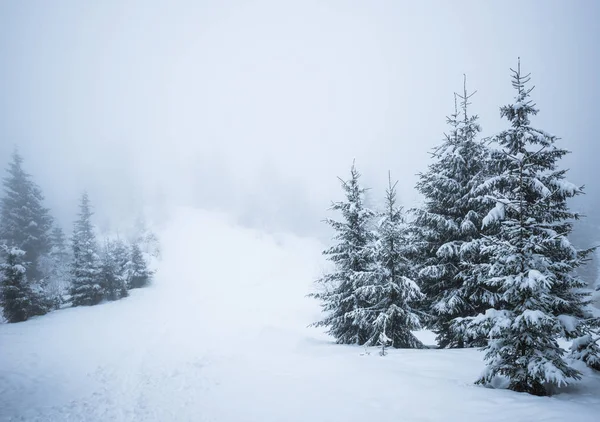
<point>221,336</point>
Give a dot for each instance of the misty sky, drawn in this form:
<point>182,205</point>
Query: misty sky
<point>255,107</point>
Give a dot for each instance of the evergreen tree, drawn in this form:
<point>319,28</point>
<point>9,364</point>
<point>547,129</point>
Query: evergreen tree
<point>587,347</point>
<point>145,238</point>
<point>17,297</point>
<point>393,294</point>
<point>114,272</point>
<point>24,222</point>
<point>123,264</point>
<point>447,229</point>
<point>86,281</point>
<point>55,265</point>
<point>59,244</point>
<point>107,276</point>
<point>352,258</point>
<point>532,263</point>
<point>139,275</point>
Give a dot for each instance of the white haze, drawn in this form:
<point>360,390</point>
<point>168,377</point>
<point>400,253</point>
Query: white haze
<point>255,107</point>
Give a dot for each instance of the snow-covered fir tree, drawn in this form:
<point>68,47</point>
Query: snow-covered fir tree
<point>448,231</point>
<point>139,273</point>
<point>533,263</point>
<point>115,269</point>
<point>24,222</point>
<point>352,259</point>
<point>56,266</point>
<point>86,281</point>
<point>59,244</point>
<point>15,294</point>
<point>393,294</point>
<point>17,298</point>
<point>145,238</point>
<point>122,260</point>
<point>587,347</point>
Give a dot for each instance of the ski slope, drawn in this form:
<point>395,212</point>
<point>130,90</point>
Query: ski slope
<point>221,336</point>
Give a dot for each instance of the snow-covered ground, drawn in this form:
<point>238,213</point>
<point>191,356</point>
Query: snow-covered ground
<point>222,336</point>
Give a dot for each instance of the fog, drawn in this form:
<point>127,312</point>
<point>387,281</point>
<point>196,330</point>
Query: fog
<point>253,108</point>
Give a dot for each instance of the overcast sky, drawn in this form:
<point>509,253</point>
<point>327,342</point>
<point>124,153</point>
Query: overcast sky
<point>255,107</point>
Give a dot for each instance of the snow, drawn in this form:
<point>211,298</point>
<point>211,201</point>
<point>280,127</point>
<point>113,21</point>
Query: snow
<point>569,322</point>
<point>535,280</point>
<point>566,188</point>
<point>221,336</point>
<point>14,251</point>
<point>540,187</point>
<point>467,226</point>
<point>532,317</point>
<point>19,268</point>
<point>447,250</point>
<point>495,214</point>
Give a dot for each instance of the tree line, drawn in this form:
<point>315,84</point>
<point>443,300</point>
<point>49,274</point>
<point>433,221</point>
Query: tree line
<point>486,261</point>
<point>41,270</point>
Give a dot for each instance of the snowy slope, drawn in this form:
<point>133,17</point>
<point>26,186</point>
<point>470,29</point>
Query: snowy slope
<point>221,337</point>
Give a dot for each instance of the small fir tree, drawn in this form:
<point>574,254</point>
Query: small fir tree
<point>139,275</point>
<point>59,247</point>
<point>55,264</point>
<point>393,294</point>
<point>587,347</point>
<point>86,281</point>
<point>145,238</point>
<point>15,295</point>
<point>346,317</point>
<point>114,270</point>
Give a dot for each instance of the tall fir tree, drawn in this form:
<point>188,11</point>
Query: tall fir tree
<point>86,281</point>
<point>24,222</point>
<point>394,295</point>
<point>352,259</point>
<point>139,273</point>
<point>532,262</point>
<point>447,229</point>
